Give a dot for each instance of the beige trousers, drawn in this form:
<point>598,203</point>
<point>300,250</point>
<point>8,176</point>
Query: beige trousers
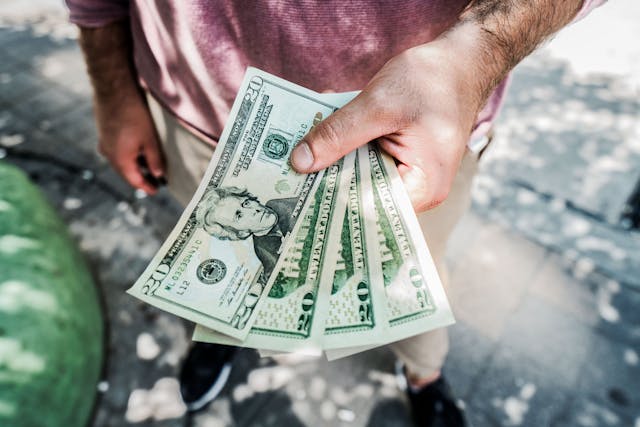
<point>187,158</point>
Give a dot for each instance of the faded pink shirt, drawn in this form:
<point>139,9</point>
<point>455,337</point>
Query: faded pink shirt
<point>192,55</point>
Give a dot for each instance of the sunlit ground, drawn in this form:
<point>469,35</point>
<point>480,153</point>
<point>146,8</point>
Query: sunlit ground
<point>544,272</point>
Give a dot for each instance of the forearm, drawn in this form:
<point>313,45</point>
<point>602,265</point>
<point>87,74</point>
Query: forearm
<point>109,57</point>
<point>495,35</point>
<point>126,133</point>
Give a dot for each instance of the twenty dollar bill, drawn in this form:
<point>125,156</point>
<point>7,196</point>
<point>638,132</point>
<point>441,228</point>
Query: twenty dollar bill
<point>217,265</point>
<point>292,316</point>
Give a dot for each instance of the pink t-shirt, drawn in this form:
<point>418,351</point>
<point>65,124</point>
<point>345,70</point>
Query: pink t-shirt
<point>192,55</point>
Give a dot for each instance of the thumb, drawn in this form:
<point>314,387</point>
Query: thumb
<point>350,127</point>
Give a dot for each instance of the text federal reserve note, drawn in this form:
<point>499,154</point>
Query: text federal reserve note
<point>292,316</point>
<point>415,299</point>
<point>356,313</point>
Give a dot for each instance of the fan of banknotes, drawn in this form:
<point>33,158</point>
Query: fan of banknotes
<point>267,258</point>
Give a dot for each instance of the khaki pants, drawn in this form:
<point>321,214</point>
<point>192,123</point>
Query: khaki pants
<point>187,158</point>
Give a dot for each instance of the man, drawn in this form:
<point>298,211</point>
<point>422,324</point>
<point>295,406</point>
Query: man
<point>232,213</point>
<point>432,74</point>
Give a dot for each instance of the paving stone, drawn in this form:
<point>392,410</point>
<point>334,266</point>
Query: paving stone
<point>390,413</point>
<point>561,342</point>
<point>218,416</point>
<point>559,288</point>
<point>517,390</point>
<point>586,413</point>
<point>48,104</point>
<point>65,67</point>
<point>611,375</point>
<point>161,212</point>
<point>57,61</point>
<point>469,355</point>
<point>12,34</point>
<point>614,251</point>
<point>8,67</point>
<point>266,410</point>
<point>76,124</point>
<point>69,136</point>
<point>477,418</point>
<point>11,124</point>
<point>617,308</point>
<point>341,393</point>
<point>22,141</point>
<point>31,45</point>
<point>569,133</point>
<point>53,64</point>
<point>463,236</point>
<point>119,186</point>
<point>18,85</point>
<point>110,235</point>
<point>489,282</point>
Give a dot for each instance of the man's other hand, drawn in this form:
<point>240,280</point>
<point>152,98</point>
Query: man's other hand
<point>125,128</point>
<point>126,132</point>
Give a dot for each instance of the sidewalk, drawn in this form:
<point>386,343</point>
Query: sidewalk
<point>546,334</point>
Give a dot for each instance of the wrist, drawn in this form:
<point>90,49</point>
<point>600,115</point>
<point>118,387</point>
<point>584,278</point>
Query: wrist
<point>457,59</point>
<point>506,32</point>
<point>118,94</point>
<point>480,63</point>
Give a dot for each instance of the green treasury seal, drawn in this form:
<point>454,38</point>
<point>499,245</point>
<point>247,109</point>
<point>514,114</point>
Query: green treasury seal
<point>211,271</point>
<point>275,146</point>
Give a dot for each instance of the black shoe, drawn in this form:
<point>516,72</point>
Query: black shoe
<point>204,373</point>
<point>435,406</point>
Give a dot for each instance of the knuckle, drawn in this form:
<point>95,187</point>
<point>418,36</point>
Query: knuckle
<point>430,196</point>
<point>381,107</point>
<point>447,133</point>
<point>438,196</point>
<point>378,100</point>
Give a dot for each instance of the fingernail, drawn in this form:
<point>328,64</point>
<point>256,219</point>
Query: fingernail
<point>302,158</point>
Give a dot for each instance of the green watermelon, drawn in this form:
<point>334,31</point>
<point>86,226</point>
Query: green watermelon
<point>51,324</point>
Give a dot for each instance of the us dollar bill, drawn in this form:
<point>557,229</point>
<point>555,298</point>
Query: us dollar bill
<point>292,316</point>
<point>415,298</point>
<point>217,264</point>
<point>356,312</point>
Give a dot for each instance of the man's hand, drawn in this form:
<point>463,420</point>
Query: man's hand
<point>422,105</point>
<point>419,108</point>
<point>125,127</point>
<point>126,131</point>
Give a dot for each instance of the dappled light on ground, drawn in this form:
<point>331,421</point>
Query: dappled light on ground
<point>159,403</point>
